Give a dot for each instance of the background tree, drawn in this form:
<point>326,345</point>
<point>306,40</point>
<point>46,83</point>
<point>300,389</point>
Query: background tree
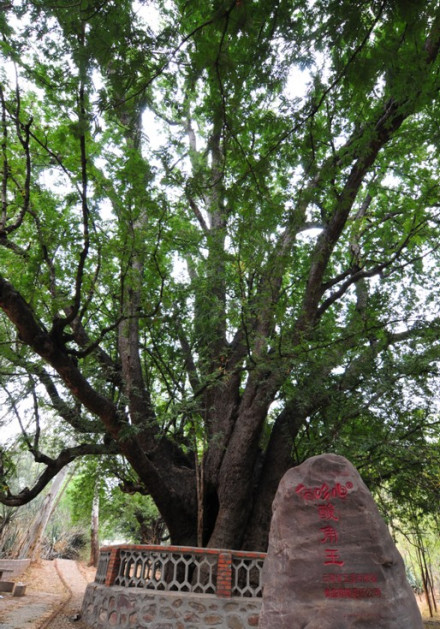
<point>132,518</point>
<point>412,513</point>
<point>259,276</point>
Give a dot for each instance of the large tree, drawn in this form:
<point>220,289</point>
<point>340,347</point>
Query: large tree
<point>219,236</point>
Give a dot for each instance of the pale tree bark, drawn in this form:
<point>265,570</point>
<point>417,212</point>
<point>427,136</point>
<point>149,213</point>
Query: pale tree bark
<point>94,527</point>
<point>30,545</point>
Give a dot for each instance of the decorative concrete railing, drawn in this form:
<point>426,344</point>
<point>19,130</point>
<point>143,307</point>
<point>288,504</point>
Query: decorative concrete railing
<point>182,569</point>
<point>174,587</point>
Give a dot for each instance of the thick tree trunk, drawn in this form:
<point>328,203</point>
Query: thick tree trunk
<point>276,461</point>
<point>236,475</point>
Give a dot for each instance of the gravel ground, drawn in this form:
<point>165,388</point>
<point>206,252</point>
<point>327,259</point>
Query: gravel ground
<point>53,598</point>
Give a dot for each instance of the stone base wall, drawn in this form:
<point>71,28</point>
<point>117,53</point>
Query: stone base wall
<point>130,608</point>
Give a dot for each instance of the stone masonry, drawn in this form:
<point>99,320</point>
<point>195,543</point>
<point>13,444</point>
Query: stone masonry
<point>126,608</point>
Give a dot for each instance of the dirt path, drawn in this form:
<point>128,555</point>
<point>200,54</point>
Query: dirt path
<point>54,593</point>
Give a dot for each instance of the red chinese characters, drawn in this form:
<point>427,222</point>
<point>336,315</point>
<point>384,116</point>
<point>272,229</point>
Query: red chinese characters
<point>336,583</point>
<point>330,535</point>
<point>332,557</point>
<point>352,592</point>
<point>349,577</point>
<point>327,512</point>
<point>324,492</point>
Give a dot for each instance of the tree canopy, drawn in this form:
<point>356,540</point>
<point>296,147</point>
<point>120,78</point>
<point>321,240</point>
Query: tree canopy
<point>219,235</point>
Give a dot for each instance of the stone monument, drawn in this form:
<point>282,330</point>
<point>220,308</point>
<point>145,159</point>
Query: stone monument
<point>331,562</point>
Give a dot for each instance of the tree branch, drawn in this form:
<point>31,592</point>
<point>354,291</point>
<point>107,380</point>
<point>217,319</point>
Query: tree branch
<point>53,467</point>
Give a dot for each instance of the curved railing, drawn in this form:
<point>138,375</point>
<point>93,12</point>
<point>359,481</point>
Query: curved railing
<point>222,573</point>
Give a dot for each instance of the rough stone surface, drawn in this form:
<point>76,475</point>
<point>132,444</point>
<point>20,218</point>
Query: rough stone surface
<point>332,563</point>
<point>105,607</point>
